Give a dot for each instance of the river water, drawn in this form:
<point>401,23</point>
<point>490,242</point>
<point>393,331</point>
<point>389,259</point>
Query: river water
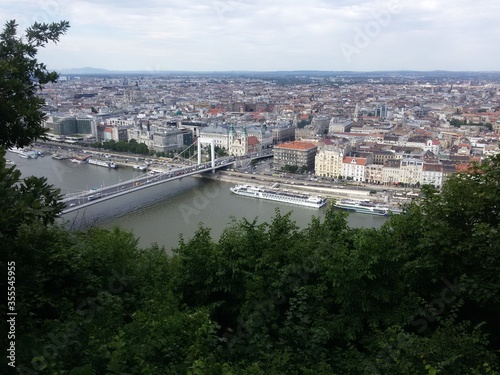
<point>160,214</point>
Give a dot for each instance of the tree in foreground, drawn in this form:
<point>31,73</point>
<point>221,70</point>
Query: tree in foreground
<point>21,116</point>
<point>31,199</point>
<point>26,204</point>
<point>21,78</point>
<point>417,296</point>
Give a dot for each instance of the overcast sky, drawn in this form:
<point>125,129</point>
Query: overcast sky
<point>267,35</point>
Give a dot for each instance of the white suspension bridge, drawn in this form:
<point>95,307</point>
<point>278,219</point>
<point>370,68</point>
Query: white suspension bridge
<point>76,201</point>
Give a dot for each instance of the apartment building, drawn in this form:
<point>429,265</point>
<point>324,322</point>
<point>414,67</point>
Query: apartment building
<point>496,127</point>
<point>354,168</point>
<point>373,173</point>
<point>297,153</point>
<point>411,171</point>
<point>168,140</point>
<point>283,133</point>
<point>432,174</point>
<point>328,160</point>
<point>380,157</point>
<point>220,135</point>
<point>390,172</point>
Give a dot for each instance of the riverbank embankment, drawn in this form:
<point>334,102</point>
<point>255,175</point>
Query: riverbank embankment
<point>296,185</point>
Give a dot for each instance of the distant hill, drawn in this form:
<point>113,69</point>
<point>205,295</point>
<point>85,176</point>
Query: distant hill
<point>436,74</point>
<point>86,70</point>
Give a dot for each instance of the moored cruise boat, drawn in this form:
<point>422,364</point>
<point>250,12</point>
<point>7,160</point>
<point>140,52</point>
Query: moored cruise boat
<point>102,163</point>
<point>79,159</point>
<point>278,196</point>
<point>366,207</point>
<point>24,152</point>
<point>29,154</point>
<point>59,157</point>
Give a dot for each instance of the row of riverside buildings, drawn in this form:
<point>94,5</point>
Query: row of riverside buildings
<point>336,160</point>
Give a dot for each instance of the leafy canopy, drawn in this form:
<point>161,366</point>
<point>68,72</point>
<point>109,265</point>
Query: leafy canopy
<point>21,78</point>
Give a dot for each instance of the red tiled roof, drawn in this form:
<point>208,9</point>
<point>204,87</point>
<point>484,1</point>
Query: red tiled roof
<point>432,167</point>
<point>253,140</point>
<point>357,161</point>
<point>297,145</point>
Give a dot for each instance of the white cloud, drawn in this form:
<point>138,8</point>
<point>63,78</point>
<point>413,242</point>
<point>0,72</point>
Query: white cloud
<point>264,35</point>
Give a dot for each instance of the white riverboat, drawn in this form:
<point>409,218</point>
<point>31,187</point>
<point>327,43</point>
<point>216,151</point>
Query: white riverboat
<point>79,159</point>
<point>366,207</point>
<point>103,163</point>
<point>278,196</point>
<point>59,157</point>
<point>24,152</point>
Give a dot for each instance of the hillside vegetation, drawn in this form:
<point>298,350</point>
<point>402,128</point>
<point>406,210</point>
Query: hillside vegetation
<point>419,295</point>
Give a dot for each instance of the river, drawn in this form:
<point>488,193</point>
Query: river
<point>162,213</point>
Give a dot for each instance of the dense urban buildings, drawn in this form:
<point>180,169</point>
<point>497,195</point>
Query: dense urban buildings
<point>409,129</point>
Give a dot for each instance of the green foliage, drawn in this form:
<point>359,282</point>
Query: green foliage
<point>457,123</point>
<point>220,151</point>
<point>417,296</point>
<point>24,201</point>
<point>121,146</point>
<point>93,301</point>
<point>333,295</point>
<point>290,168</point>
<point>21,77</point>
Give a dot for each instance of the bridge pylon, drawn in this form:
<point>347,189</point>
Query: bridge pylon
<point>212,144</point>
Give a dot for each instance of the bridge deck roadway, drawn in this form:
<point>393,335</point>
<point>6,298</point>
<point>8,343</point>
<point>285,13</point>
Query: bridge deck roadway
<point>88,198</point>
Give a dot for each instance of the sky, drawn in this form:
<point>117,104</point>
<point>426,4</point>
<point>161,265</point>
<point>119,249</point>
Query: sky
<point>268,35</point>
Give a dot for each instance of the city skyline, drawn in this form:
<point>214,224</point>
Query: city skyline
<point>236,35</point>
